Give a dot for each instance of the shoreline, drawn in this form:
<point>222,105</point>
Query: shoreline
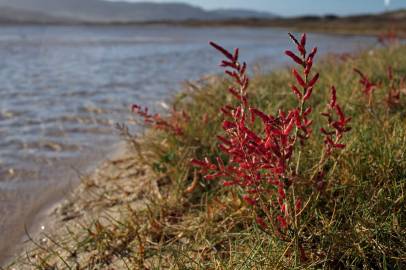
<point>77,208</point>
<point>45,211</point>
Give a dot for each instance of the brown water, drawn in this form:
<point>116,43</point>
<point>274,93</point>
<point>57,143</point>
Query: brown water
<point>62,89</point>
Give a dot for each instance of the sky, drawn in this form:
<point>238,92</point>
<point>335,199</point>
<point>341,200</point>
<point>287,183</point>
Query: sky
<point>297,7</point>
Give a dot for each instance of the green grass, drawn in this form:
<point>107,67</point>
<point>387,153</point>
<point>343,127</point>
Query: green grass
<point>357,222</point>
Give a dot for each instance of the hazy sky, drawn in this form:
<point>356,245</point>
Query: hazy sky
<point>295,7</point>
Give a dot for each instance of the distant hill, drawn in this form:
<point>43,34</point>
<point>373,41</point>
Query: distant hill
<point>99,11</point>
<point>242,14</point>
<point>10,15</point>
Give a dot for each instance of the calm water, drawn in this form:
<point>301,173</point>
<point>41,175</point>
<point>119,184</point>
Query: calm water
<point>62,89</point>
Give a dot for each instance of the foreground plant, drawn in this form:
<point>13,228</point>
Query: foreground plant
<point>262,151</point>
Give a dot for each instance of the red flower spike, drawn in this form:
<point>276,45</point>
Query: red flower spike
<point>314,80</point>
<point>228,125</point>
<point>296,92</point>
<point>339,145</point>
<point>367,85</point>
<point>222,50</point>
<point>289,127</point>
<point>234,75</point>
<point>198,163</point>
<point>308,123</point>
<point>234,92</point>
<point>283,209</point>
<point>313,53</point>
<point>332,137</point>
<point>281,193</point>
<point>265,118</point>
<point>308,93</point>
<point>299,46</point>
<point>282,222</point>
<point>228,184</point>
<point>307,111</point>
<point>282,114</point>
<point>309,65</point>
<point>340,113</point>
<point>170,125</point>
<point>236,53</point>
<point>303,40</point>
<point>298,122</point>
<point>225,63</point>
<point>249,200</point>
<point>261,222</point>
<point>292,37</point>
<point>299,78</point>
<point>209,164</point>
<point>301,50</point>
<point>243,68</point>
<point>294,57</point>
<point>298,205</point>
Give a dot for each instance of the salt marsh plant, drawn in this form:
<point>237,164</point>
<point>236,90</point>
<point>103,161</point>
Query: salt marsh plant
<point>284,176</point>
<point>262,151</point>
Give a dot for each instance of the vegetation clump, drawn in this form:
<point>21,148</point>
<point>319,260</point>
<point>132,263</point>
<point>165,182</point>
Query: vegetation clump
<point>298,189</point>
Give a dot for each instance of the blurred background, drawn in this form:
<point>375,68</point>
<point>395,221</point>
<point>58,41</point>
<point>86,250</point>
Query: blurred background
<point>70,70</point>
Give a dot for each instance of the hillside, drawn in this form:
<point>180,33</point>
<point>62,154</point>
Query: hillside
<point>10,15</point>
<point>363,24</point>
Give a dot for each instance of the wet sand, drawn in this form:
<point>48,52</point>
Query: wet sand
<point>36,198</point>
<point>109,191</point>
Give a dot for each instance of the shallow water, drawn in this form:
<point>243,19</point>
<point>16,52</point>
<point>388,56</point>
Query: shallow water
<point>63,88</point>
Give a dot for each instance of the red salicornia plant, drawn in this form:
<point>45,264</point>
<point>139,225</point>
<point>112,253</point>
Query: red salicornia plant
<point>171,124</point>
<point>395,85</point>
<point>367,85</point>
<point>388,38</point>
<point>394,90</point>
<point>262,149</point>
<point>336,127</point>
